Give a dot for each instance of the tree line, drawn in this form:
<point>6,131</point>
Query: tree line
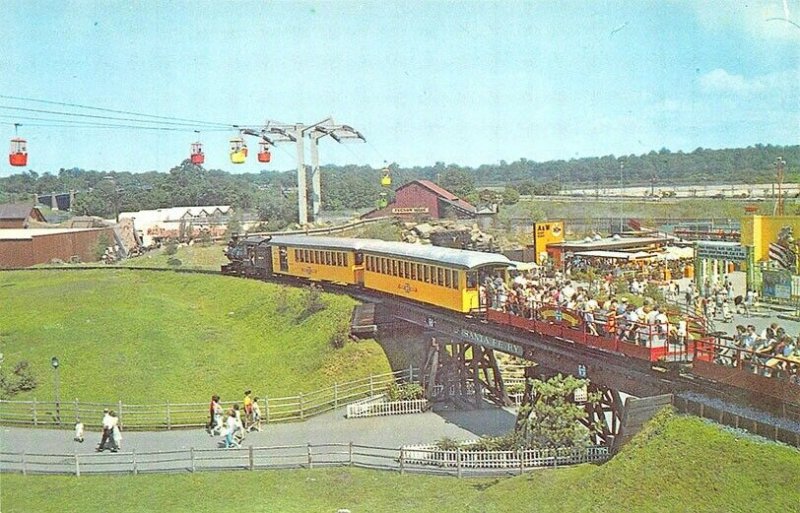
<point>273,194</point>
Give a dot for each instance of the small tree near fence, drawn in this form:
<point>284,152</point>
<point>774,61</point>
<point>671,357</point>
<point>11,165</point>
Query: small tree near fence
<point>553,417</point>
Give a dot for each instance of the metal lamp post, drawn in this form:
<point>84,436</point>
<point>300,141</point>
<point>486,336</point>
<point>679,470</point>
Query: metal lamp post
<point>54,363</point>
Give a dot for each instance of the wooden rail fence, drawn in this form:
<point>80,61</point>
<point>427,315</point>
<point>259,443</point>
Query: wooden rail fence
<point>418,459</point>
<point>142,417</point>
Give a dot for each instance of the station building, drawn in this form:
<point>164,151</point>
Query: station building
<point>423,199</point>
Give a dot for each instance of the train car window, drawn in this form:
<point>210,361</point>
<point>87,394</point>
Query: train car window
<point>283,259</point>
<point>359,258</point>
<point>370,264</point>
<point>401,268</point>
<point>344,260</point>
<point>339,259</point>
<point>448,282</point>
<point>426,273</point>
<point>413,273</point>
<point>439,276</point>
<point>406,271</point>
<point>394,268</point>
<point>472,280</point>
<point>455,279</point>
<point>329,257</point>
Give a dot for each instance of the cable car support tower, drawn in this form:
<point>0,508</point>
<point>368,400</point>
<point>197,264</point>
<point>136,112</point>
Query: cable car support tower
<point>274,133</point>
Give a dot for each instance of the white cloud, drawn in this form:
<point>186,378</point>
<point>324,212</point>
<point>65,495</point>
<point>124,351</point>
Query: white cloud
<point>720,81</point>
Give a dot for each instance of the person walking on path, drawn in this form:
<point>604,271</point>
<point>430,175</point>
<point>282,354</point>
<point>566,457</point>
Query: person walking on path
<point>116,434</point>
<point>78,431</point>
<point>256,416</point>
<point>106,431</point>
<point>247,404</point>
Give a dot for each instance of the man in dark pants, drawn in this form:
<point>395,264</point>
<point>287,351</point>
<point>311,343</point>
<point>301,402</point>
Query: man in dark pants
<point>106,431</point>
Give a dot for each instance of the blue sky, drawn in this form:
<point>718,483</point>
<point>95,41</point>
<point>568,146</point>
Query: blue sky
<point>459,82</point>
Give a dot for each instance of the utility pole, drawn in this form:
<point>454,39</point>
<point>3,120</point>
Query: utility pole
<point>778,211</point>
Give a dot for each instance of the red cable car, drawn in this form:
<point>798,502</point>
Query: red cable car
<point>197,157</point>
<point>18,153</point>
<point>263,152</point>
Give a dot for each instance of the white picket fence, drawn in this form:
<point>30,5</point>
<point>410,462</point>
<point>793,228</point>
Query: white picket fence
<point>459,458</point>
<point>380,405</point>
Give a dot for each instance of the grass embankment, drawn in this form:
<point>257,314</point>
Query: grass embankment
<point>196,256</point>
<point>678,464</point>
<point>144,337</point>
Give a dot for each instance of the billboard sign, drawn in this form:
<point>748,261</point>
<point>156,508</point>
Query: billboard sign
<point>546,233</point>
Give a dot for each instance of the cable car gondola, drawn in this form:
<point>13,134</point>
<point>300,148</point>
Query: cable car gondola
<point>238,150</point>
<point>18,152</point>
<point>386,180</point>
<point>197,157</point>
<point>263,152</point>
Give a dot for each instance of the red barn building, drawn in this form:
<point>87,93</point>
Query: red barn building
<point>19,215</point>
<point>423,198</point>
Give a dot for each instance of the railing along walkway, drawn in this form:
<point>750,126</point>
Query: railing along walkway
<point>420,459</point>
<point>195,415</point>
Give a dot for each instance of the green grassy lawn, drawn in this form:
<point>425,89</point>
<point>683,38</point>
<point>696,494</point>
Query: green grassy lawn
<point>192,257</point>
<point>150,337</point>
<point>678,464</point>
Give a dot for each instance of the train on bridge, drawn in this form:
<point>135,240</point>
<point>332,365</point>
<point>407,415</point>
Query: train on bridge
<point>453,280</point>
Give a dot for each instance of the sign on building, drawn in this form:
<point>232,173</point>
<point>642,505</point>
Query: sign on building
<point>544,234</point>
<point>728,251</point>
<point>410,210</point>
<point>777,284</point>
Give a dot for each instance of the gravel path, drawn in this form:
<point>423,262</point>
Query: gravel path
<point>389,431</point>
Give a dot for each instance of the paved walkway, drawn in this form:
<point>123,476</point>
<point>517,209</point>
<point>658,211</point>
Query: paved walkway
<point>389,431</point>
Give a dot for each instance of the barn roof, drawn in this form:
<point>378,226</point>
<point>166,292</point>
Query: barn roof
<point>18,211</point>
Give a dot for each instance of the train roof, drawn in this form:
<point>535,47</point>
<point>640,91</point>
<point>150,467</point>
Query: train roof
<point>435,254</point>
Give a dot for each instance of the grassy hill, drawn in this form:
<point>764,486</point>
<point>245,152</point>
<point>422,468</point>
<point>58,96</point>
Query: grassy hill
<point>144,337</point>
<point>198,256</point>
<point>678,464</point>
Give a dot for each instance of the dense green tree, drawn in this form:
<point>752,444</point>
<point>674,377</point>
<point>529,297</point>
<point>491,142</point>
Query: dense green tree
<point>553,419</point>
<point>457,180</point>
<point>358,187</point>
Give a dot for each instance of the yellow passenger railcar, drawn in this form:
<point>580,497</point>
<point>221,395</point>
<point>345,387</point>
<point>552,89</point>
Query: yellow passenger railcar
<point>330,259</point>
<point>445,277</point>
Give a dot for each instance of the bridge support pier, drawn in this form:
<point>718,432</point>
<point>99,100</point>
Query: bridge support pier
<point>463,373</point>
<point>603,409</point>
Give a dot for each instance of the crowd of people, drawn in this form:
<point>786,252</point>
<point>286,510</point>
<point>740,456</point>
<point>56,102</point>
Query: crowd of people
<point>771,352</point>
<point>232,425</point>
<point>603,313</point>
